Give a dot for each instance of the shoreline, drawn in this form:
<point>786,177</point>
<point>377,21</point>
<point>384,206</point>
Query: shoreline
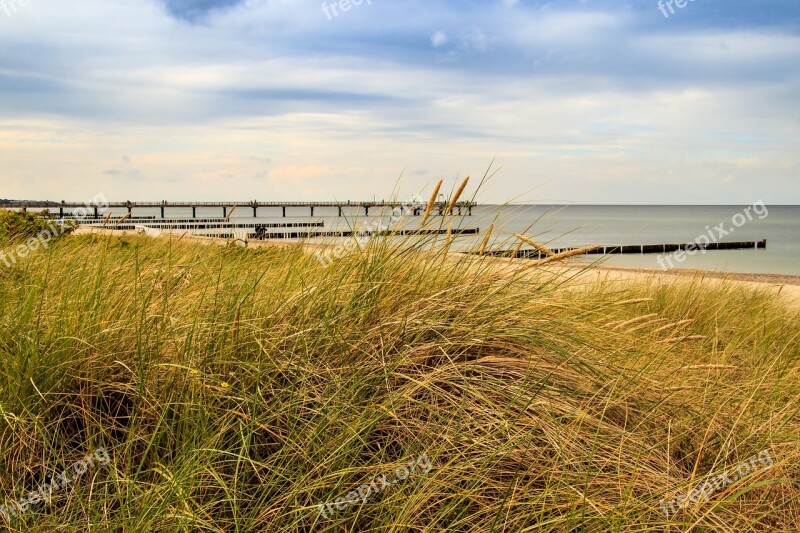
<point>756,277</point>
<point>785,286</point>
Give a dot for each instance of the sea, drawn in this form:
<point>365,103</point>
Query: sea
<point>562,226</point>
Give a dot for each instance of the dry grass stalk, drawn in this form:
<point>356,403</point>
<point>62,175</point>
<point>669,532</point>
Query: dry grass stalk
<point>635,320</point>
<point>123,219</point>
<point>485,242</point>
<point>673,325</point>
<point>709,367</point>
<point>431,201</point>
<point>515,253</point>
<point>545,250</point>
<point>448,237</point>
<point>457,195</point>
<point>634,301</point>
<point>564,255</point>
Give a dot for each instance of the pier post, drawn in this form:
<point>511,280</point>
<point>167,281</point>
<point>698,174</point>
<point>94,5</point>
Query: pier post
<point>366,210</point>
<point>61,211</point>
<point>340,211</point>
<point>194,211</point>
<point>224,211</point>
<point>96,213</point>
<point>284,210</point>
<point>255,211</point>
<point>162,212</point>
<point>312,210</point>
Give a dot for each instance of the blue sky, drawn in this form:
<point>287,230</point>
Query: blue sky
<point>577,101</point>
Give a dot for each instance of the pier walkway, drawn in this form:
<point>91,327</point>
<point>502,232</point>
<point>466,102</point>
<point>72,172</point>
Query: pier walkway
<point>66,208</point>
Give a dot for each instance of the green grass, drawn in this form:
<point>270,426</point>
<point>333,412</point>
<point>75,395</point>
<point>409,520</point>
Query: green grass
<point>235,389</point>
<point>20,226</point>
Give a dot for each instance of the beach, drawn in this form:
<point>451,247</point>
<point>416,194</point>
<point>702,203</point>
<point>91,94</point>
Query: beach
<point>786,287</point>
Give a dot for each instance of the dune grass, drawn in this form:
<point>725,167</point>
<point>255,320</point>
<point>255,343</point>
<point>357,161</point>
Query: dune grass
<point>236,389</point>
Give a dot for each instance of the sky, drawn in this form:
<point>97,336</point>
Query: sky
<point>576,101</point>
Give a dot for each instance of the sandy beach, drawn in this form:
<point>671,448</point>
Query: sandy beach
<point>785,287</point>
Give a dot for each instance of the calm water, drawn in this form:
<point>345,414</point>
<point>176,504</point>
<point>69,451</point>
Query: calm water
<point>562,226</point>
<point>584,225</point>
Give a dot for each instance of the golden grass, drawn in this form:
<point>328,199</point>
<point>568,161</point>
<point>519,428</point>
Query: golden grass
<point>431,203</point>
<point>565,255</point>
<point>457,195</point>
<point>235,389</point>
<point>540,247</point>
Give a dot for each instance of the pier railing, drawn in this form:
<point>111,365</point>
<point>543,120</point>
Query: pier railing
<point>439,208</point>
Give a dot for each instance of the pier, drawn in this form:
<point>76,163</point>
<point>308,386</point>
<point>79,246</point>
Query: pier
<point>64,208</point>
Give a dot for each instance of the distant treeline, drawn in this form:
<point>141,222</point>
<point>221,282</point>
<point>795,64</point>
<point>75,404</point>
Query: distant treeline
<point>4,201</point>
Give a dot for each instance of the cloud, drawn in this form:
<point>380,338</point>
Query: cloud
<point>439,38</point>
<point>572,92</point>
<point>195,10</point>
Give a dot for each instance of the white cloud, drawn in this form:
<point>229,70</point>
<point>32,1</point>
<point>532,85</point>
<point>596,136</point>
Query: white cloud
<point>613,110</point>
<point>439,38</point>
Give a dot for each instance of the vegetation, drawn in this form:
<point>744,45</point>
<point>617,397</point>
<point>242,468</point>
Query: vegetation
<point>19,226</point>
<point>235,389</point>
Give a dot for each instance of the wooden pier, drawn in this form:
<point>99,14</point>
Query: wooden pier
<point>64,208</point>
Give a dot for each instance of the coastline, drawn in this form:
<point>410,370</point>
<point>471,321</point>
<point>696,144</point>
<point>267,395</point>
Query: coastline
<point>784,286</point>
<point>782,279</point>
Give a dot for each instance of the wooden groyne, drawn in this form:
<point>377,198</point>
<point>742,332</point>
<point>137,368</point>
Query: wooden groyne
<point>263,231</point>
<point>206,224</point>
<point>638,249</point>
<point>264,235</point>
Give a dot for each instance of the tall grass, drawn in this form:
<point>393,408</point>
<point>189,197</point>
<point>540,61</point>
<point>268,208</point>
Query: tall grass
<point>235,389</point>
